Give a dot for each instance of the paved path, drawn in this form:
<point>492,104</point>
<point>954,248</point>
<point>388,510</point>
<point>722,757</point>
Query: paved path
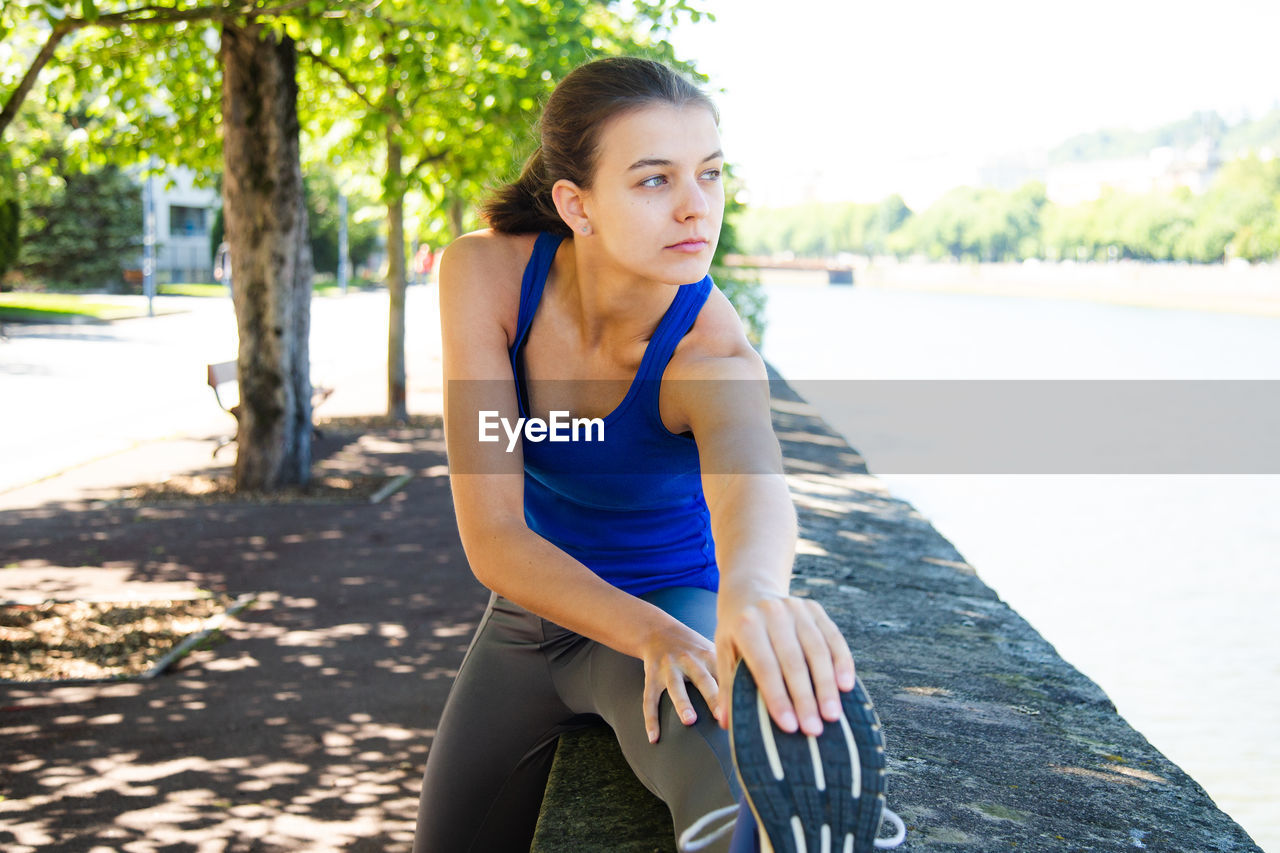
<point>309,728</point>
<point>87,392</point>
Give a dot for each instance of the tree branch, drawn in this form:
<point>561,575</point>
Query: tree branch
<point>139,15</point>
<point>458,86</point>
<point>413,101</point>
<point>346,81</point>
<point>424,160</point>
<point>19,95</point>
<point>164,15</point>
<point>272,11</point>
<point>154,15</point>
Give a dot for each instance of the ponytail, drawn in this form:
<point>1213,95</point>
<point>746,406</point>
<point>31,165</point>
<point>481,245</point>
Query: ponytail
<point>525,205</point>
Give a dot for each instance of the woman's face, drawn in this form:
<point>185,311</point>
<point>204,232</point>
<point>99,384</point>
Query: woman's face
<point>657,200</point>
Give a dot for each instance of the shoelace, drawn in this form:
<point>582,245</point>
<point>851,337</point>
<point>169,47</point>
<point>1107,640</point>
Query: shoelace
<point>689,843</point>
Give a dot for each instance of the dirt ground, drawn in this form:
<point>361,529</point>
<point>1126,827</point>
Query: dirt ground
<point>96,639</point>
<point>307,727</point>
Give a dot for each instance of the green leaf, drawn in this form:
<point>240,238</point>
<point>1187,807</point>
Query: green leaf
<point>89,9</point>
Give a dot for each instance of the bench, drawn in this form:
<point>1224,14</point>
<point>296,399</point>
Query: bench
<point>226,373</point>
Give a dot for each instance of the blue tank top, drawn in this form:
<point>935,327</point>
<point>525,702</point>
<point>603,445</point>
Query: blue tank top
<point>630,506</point>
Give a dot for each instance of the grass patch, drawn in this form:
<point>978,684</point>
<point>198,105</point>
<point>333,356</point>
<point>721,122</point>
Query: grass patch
<point>192,289</point>
<point>326,285</point>
<point>34,307</point>
<point>322,287</point>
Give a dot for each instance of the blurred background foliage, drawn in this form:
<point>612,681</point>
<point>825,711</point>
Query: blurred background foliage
<point>1237,216</point>
<point>740,285</point>
<point>413,110</point>
<point>452,90</point>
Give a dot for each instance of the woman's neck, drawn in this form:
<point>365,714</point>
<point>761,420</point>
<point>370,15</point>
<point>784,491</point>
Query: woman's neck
<point>609,305</point>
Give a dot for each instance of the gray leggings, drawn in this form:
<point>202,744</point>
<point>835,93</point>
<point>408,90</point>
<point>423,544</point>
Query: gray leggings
<point>523,683</point>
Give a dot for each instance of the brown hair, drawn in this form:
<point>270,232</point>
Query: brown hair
<point>569,132</point>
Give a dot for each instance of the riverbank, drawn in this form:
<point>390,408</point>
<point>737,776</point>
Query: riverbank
<point>1158,588</point>
<point>1251,290</point>
<point>994,742</point>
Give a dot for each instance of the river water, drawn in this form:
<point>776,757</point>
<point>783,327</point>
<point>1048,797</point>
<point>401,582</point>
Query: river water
<point>1162,588</point>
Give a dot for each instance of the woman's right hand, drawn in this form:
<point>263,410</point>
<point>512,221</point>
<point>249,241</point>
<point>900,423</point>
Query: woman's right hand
<point>672,655</point>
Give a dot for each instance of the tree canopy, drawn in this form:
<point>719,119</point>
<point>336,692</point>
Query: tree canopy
<point>432,95</point>
<point>455,82</point>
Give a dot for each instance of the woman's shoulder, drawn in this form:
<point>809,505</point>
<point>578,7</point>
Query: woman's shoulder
<point>481,272</point>
<point>487,252</point>
<point>716,345</point>
<point>716,373</point>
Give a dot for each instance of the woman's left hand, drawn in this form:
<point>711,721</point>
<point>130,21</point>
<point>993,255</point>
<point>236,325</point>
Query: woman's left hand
<point>798,657</point>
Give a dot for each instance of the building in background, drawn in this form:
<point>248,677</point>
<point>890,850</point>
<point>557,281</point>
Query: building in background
<point>184,219</point>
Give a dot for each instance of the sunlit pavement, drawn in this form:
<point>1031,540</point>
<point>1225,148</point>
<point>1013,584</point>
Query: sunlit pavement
<point>308,727</point>
<point>79,393</point>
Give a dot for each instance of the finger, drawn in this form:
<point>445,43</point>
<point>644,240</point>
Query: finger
<point>795,672</point>
<point>726,660</point>
<point>762,660</point>
<point>822,672</point>
<point>704,679</point>
<point>680,698</point>
<point>841,657</point>
<point>649,703</point>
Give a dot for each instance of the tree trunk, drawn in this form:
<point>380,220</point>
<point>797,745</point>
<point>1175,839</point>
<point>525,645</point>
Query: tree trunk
<point>456,209</point>
<point>266,228</point>
<point>397,407</point>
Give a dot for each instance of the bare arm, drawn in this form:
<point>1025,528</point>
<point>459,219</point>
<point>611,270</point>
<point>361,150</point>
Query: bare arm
<point>488,496</point>
<point>795,652</point>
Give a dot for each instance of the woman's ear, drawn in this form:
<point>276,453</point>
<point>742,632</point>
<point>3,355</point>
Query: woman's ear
<point>570,202</point>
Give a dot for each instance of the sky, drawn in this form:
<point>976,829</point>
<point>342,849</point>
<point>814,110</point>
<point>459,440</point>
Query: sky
<point>854,100</point>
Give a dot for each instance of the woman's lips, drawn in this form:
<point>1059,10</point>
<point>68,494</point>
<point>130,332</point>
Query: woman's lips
<point>689,246</point>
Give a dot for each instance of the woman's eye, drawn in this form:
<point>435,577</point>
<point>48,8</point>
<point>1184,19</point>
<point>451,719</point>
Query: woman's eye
<point>655,181</point>
<point>712,174</point>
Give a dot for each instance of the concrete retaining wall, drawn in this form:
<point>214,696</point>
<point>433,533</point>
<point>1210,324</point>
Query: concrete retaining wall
<point>994,741</point>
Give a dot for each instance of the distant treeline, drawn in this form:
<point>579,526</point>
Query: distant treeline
<point>1209,127</point>
<point>1237,217</point>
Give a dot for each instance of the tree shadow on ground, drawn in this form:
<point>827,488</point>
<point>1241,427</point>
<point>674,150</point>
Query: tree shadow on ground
<point>307,726</point>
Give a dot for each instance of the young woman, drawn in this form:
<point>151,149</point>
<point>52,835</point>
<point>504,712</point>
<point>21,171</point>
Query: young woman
<point>633,565</point>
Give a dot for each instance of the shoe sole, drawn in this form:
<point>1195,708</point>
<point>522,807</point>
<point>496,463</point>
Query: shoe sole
<point>821,794</point>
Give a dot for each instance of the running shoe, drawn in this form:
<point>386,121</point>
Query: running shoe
<point>823,794</point>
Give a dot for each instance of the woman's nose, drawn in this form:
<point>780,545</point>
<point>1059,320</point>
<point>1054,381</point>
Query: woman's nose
<point>693,202</point>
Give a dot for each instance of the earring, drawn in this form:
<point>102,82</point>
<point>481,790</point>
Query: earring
<point>586,228</point>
